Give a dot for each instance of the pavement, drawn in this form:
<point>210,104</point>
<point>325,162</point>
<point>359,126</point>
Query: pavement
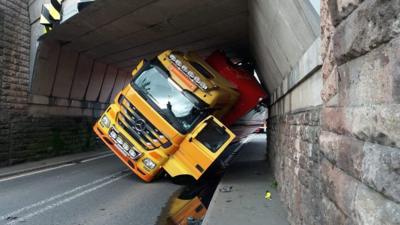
<point>240,196</point>
<point>79,189</point>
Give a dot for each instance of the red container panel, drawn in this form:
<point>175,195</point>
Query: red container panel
<point>250,90</point>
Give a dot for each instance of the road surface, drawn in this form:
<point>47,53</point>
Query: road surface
<point>96,191</point>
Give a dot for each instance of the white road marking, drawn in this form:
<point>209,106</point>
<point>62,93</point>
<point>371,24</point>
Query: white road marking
<point>66,200</point>
<point>54,168</point>
<point>97,157</point>
<point>35,172</point>
<point>58,196</point>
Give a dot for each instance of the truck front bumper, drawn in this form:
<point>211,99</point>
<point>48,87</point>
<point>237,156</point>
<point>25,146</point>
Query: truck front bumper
<point>102,133</point>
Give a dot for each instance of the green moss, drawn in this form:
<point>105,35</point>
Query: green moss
<point>274,184</point>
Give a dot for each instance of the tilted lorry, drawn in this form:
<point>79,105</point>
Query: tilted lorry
<point>175,112</point>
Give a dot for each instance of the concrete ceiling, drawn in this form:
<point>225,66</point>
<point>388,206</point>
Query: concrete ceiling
<point>89,56</point>
<point>280,32</point>
<point>122,32</point>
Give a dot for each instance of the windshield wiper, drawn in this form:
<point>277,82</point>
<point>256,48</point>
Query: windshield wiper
<point>142,93</point>
<point>171,116</point>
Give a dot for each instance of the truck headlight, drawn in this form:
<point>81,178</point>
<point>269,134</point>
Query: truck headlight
<point>132,153</point>
<point>149,163</point>
<point>125,146</point>
<point>185,69</point>
<point>105,121</point>
<point>191,74</point>
<point>203,85</point>
<point>119,140</point>
<point>113,134</point>
<point>172,57</point>
<point>178,63</point>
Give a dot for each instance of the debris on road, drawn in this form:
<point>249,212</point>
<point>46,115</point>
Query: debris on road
<point>268,195</point>
<point>226,189</point>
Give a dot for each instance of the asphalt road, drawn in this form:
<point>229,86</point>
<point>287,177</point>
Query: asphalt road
<point>99,191</point>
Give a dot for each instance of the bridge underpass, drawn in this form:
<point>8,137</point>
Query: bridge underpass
<point>333,134</point>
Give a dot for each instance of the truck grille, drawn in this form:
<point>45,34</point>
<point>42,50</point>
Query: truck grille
<point>139,128</point>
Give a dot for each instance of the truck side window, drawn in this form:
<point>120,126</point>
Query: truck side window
<point>202,70</point>
<point>212,136</point>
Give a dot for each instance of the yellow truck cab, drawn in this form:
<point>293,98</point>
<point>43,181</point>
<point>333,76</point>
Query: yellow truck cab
<point>167,117</point>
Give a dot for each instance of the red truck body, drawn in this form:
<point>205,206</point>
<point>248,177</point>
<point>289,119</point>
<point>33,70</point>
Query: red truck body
<point>250,90</point>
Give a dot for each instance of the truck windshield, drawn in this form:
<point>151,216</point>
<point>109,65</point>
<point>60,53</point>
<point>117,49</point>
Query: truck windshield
<point>180,109</point>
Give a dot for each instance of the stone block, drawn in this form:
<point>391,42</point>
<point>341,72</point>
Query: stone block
<point>380,169</point>
<point>373,78</point>
<point>330,87</point>
<point>39,99</point>
<point>329,61</point>
<point>333,101</point>
<point>343,151</point>
<point>76,104</point>
<point>315,117</point>
<point>330,214</point>
<point>334,119</point>
<point>61,102</point>
<point>370,25</point>
<point>354,199</point>
<point>376,123</point>
<point>345,7</point>
<point>338,186</point>
<point>329,13</point>
<point>310,205</point>
<point>372,208</point>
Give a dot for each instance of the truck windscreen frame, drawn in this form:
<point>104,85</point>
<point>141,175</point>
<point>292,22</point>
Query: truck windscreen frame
<point>155,86</point>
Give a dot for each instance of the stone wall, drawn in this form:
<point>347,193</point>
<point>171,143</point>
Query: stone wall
<point>295,157</point>
<point>340,163</point>
<point>14,53</point>
<point>360,121</point>
<point>34,138</point>
<point>24,135</point>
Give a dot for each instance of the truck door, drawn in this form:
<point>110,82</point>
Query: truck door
<point>200,148</point>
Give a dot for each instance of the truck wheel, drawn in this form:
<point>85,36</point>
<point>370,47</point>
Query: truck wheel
<point>161,175</point>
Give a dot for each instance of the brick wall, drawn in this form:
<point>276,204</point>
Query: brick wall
<point>339,164</point>
<point>23,135</point>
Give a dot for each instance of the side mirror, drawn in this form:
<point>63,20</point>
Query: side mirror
<point>139,67</point>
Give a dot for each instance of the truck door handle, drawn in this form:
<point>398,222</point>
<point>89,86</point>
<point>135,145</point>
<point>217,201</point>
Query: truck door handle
<point>199,168</point>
